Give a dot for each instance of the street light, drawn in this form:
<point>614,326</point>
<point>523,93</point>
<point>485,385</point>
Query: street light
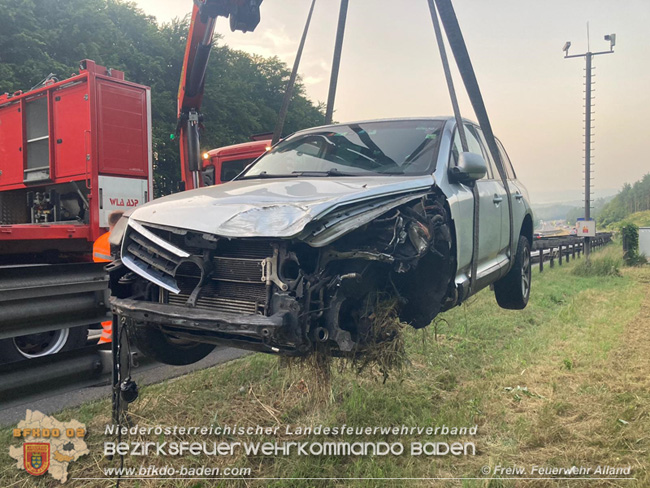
<point>588,57</point>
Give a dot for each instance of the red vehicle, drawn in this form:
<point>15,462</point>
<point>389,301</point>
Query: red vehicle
<point>71,152</point>
<point>223,164</point>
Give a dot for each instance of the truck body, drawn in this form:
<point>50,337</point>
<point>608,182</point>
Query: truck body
<point>71,152</point>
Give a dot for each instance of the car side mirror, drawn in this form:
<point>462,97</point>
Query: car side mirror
<point>470,167</point>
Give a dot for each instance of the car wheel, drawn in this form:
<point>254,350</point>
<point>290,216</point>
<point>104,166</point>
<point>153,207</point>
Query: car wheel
<point>168,349</point>
<point>513,290</point>
<point>33,346</point>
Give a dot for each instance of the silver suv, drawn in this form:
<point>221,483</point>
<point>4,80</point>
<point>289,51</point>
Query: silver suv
<point>300,247</point>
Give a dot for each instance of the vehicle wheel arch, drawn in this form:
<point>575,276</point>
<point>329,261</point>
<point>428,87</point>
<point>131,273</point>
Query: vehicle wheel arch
<point>526,229</point>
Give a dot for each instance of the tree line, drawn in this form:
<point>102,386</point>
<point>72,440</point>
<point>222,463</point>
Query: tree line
<point>632,198</point>
<point>243,92</point>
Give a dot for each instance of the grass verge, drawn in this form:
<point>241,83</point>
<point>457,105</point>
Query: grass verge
<point>607,262</point>
<point>562,383</point>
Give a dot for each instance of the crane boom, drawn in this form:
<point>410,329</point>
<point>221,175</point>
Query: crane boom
<point>244,16</point>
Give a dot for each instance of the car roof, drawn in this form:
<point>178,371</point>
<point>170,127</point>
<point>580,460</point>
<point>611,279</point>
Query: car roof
<point>440,118</point>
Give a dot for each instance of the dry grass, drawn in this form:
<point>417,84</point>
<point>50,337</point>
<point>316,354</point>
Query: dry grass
<point>382,348</point>
<point>607,262</point>
<point>590,404</point>
<point>381,351</point>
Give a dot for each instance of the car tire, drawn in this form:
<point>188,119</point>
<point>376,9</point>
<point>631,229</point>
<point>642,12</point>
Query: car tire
<point>167,349</point>
<point>513,290</point>
<point>33,346</point>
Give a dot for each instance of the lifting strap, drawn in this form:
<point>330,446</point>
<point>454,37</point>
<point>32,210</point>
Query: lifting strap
<point>458,47</point>
<point>336,62</point>
<point>460,127</point>
<point>282,115</point>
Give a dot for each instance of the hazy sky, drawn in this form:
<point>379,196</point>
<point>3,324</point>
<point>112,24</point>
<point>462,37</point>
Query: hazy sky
<point>390,67</point>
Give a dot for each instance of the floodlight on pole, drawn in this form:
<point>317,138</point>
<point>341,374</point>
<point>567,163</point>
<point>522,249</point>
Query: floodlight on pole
<point>588,74</point>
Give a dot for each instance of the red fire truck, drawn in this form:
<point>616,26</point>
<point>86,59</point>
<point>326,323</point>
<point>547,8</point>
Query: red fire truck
<point>71,152</point>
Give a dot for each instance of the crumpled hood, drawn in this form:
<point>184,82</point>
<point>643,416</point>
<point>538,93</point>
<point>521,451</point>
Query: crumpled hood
<point>271,208</point>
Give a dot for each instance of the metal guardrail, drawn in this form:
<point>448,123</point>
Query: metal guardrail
<point>24,378</point>
<point>42,298</point>
<point>564,248</point>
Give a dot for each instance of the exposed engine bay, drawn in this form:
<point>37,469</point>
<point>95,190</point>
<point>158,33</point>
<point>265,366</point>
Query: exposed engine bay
<point>287,296</point>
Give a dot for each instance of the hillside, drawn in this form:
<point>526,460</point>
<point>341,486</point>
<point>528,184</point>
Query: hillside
<point>632,199</point>
<point>641,219</point>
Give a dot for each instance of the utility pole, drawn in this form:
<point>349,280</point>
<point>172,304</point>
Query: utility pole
<point>588,74</point>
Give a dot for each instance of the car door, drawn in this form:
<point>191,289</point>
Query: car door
<point>491,205</point>
<point>518,192</point>
<point>499,198</point>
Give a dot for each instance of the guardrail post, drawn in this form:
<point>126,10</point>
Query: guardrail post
<point>541,259</point>
<point>573,249</point>
<point>551,259</point>
<point>560,255</point>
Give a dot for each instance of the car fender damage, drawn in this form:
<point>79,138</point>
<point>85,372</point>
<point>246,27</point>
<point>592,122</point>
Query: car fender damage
<point>289,296</point>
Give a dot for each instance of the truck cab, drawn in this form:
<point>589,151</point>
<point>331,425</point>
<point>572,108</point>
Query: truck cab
<point>223,164</point>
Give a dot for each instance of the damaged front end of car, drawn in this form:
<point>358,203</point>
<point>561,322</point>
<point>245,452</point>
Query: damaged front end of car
<point>290,295</point>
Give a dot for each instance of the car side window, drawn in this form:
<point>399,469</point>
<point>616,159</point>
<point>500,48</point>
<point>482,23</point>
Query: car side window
<point>473,146</point>
<point>455,150</point>
<point>506,161</point>
<point>487,154</point>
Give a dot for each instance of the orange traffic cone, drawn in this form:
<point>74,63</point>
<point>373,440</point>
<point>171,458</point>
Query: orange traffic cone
<point>107,332</point>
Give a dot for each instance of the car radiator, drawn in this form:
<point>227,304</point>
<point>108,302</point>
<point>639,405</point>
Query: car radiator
<point>235,282</point>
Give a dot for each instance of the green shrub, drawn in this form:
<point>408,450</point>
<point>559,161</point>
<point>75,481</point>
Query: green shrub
<point>630,234</point>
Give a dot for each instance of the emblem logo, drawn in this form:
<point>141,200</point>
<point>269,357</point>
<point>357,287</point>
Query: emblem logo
<point>36,457</point>
<point>49,446</point>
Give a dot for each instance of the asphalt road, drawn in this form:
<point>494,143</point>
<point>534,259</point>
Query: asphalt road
<point>74,395</point>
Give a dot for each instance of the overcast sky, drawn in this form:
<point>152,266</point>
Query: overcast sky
<point>390,68</point>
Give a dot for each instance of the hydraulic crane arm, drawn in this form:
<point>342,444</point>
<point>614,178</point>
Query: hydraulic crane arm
<point>244,16</point>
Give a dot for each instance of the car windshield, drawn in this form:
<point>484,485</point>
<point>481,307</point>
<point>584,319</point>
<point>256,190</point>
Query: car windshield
<point>405,147</point>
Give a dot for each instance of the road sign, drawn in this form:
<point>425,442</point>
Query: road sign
<point>585,228</point>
